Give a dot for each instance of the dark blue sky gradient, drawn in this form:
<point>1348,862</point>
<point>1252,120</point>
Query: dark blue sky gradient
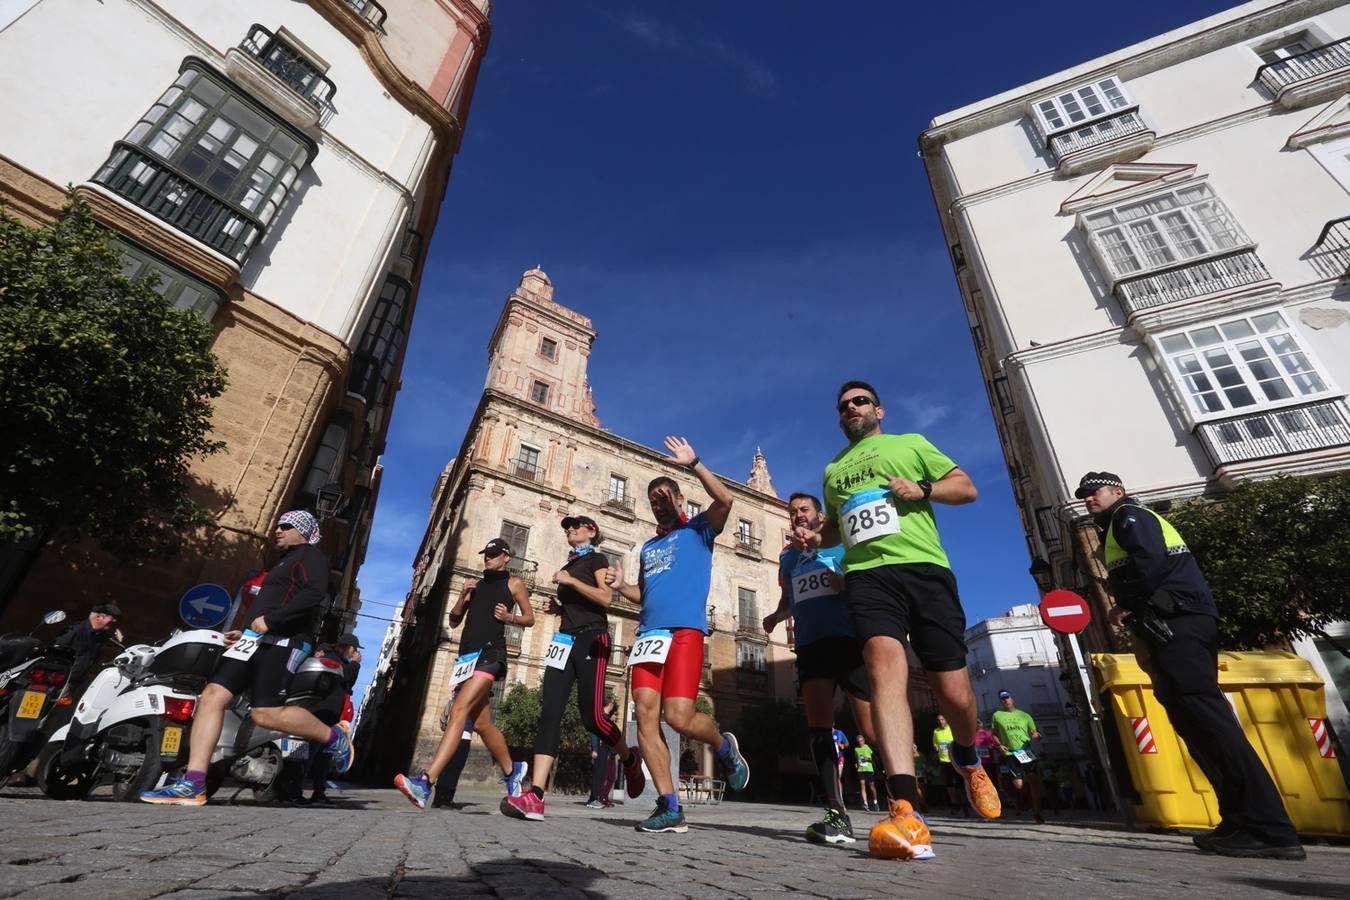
<point>732,192</point>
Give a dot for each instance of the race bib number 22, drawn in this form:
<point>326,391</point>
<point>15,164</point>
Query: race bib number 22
<point>868,515</point>
<point>244,648</point>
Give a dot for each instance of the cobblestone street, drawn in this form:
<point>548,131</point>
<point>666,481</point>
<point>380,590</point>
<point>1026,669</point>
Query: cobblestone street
<point>373,845</point>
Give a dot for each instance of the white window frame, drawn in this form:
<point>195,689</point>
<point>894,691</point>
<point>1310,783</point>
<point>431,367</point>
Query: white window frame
<point>1129,240</point>
<point>692,508</point>
<point>1334,156</point>
<point>745,531</point>
<point>1188,392</point>
<point>618,481</point>
<point>1072,108</point>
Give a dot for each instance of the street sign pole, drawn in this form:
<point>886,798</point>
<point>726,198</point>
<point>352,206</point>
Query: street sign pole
<point>1075,642</point>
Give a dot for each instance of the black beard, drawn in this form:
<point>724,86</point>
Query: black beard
<point>859,428</point>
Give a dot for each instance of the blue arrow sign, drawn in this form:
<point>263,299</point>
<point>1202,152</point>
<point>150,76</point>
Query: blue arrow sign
<point>204,606</point>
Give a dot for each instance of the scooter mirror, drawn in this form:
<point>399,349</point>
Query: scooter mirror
<point>54,617</point>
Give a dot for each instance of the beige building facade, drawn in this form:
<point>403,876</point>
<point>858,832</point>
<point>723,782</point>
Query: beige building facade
<point>280,166</point>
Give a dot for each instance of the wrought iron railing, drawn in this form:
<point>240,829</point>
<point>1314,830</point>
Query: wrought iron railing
<point>523,468</point>
<point>1330,256</point>
<point>617,501</point>
<point>1186,281</point>
<point>1080,137</point>
<point>1294,429</point>
<point>747,542</point>
<point>371,11</point>
<point>287,64</point>
<point>1278,75</point>
<point>166,193</point>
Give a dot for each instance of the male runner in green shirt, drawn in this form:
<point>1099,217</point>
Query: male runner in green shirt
<point>867,774</point>
<point>1014,730</point>
<point>900,589</point>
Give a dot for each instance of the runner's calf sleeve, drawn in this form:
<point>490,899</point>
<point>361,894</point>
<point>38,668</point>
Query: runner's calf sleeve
<point>963,754</point>
<point>824,754</point>
<point>903,787</point>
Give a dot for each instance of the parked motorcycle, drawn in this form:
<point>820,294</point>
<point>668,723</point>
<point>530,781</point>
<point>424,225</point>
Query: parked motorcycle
<point>33,691</point>
<point>132,723</point>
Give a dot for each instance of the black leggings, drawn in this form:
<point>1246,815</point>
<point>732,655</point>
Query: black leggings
<point>585,666</point>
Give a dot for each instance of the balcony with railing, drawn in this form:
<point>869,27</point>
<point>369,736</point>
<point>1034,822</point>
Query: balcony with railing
<point>1189,280</point>
<point>1293,429</point>
<point>748,545</point>
<point>524,468</point>
<point>1330,256</point>
<point>1034,659</point>
<point>371,11</point>
<point>168,194</point>
<point>748,626</point>
<point>524,568</point>
<point>620,503</point>
<point>291,67</point>
<point>1119,137</point>
<point>1309,77</point>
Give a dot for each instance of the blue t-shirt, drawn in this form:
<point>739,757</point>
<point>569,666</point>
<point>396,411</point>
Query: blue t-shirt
<point>818,612</point>
<point>676,576</point>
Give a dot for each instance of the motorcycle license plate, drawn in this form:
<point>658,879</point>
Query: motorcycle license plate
<point>172,739</point>
<point>31,705</point>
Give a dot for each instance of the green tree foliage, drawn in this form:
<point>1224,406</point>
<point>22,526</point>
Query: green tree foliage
<point>105,394</point>
<point>518,718</point>
<point>1276,555</point>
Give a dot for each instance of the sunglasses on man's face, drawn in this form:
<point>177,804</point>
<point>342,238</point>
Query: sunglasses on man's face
<point>493,554</point>
<point>860,400</point>
<point>284,527</point>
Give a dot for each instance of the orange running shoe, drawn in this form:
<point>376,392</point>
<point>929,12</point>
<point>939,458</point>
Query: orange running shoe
<point>980,790</point>
<point>901,835</point>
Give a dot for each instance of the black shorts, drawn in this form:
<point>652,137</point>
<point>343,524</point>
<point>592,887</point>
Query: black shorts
<point>915,603</point>
<point>838,659</point>
<point>1019,770</point>
<point>265,675</point>
<point>868,776</point>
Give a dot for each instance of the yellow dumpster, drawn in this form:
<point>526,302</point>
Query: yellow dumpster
<point>1278,699</point>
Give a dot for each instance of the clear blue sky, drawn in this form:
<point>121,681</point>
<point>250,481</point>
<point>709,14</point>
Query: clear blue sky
<point>732,192</point>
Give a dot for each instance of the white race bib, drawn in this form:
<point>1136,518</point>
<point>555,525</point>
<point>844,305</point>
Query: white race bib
<point>651,647</point>
<point>464,667</point>
<point>811,580</point>
<point>244,648</point>
<point>868,515</point>
<point>559,649</point>
<point>1024,756</point>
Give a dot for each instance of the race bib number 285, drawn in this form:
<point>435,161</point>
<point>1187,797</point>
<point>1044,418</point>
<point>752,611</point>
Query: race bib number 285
<point>868,515</point>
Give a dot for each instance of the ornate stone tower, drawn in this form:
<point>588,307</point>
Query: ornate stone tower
<point>760,479</point>
<point>539,350</point>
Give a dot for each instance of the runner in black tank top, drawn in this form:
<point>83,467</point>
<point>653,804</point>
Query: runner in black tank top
<point>499,598</point>
<point>582,645</point>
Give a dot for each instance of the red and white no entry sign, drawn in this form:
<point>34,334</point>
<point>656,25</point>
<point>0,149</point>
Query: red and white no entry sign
<point>1065,612</point>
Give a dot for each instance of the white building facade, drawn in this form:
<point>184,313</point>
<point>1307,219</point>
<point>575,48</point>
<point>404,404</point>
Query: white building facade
<point>1015,652</point>
<point>1152,249</point>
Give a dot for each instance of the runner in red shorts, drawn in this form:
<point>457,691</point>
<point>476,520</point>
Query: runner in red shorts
<point>667,656</point>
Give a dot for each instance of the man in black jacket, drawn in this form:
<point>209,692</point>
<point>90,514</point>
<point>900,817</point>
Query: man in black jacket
<point>85,640</point>
<point>1162,596</point>
<point>262,659</point>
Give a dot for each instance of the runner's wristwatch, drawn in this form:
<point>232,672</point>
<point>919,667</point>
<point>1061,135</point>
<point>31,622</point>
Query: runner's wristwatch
<point>925,486</point>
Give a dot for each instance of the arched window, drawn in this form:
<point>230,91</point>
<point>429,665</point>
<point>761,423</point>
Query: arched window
<point>326,464</point>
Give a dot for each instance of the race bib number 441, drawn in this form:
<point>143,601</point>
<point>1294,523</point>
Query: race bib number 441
<point>868,515</point>
<point>244,648</point>
<point>651,647</point>
<point>464,667</point>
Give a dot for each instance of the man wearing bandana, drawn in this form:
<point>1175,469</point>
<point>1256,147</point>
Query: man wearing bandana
<point>283,623</point>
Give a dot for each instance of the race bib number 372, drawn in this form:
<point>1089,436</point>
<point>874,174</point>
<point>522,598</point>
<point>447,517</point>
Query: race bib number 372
<point>868,515</point>
<point>651,647</point>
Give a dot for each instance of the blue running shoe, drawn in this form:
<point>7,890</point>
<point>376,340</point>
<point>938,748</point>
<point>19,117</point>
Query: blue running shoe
<point>737,769</point>
<point>176,793</point>
<point>663,818</point>
<point>341,750</point>
<point>418,790</point>
<point>516,780</point>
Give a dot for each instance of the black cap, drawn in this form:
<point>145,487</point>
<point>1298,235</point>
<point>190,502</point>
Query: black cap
<point>1089,483</point>
<point>1004,695</point>
<point>108,609</point>
<point>572,521</point>
<point>497,544</point>
<point>350,640</point>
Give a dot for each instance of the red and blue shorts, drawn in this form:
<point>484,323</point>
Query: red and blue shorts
<point>679,675</point>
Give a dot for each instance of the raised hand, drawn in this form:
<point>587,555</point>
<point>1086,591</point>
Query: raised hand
<point>903,488</point>
<point>470,584</point>
<point>803,538</point>
<point>681,451</point>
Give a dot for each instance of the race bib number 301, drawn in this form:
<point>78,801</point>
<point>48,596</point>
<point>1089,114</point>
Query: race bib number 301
<point>868,515</point>
<point>559,649</point>
<point>651,647</point>
<point>244,648</point>
<point>464,667</point>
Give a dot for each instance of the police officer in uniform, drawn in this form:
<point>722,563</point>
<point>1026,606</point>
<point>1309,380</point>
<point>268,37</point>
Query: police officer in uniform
<point>1162,596</point>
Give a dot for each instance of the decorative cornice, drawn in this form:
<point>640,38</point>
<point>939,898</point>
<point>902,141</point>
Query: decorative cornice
<point>1022,359</point>
<point>1210,306</point>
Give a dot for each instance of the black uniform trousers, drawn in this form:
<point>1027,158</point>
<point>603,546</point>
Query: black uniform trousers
<point>1185,673</point>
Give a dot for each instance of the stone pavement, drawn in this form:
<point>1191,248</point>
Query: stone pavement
<point>375,845</point>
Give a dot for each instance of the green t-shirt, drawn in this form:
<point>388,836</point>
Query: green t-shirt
<point>864,757</point>
<point>1013,729</point>
<point>942,738</point>
<point>878,529</point>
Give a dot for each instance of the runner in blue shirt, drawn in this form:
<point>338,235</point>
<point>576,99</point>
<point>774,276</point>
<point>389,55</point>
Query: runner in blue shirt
<point>828,655</point>
<point>667,657</point>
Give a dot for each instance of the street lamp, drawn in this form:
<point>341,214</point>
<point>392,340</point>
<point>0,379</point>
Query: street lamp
<point>1043,574</point>
<point>712,619</point>
<point>327,500</point>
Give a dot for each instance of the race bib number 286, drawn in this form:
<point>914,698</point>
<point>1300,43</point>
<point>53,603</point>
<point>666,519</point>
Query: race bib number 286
<point>868,515</point>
